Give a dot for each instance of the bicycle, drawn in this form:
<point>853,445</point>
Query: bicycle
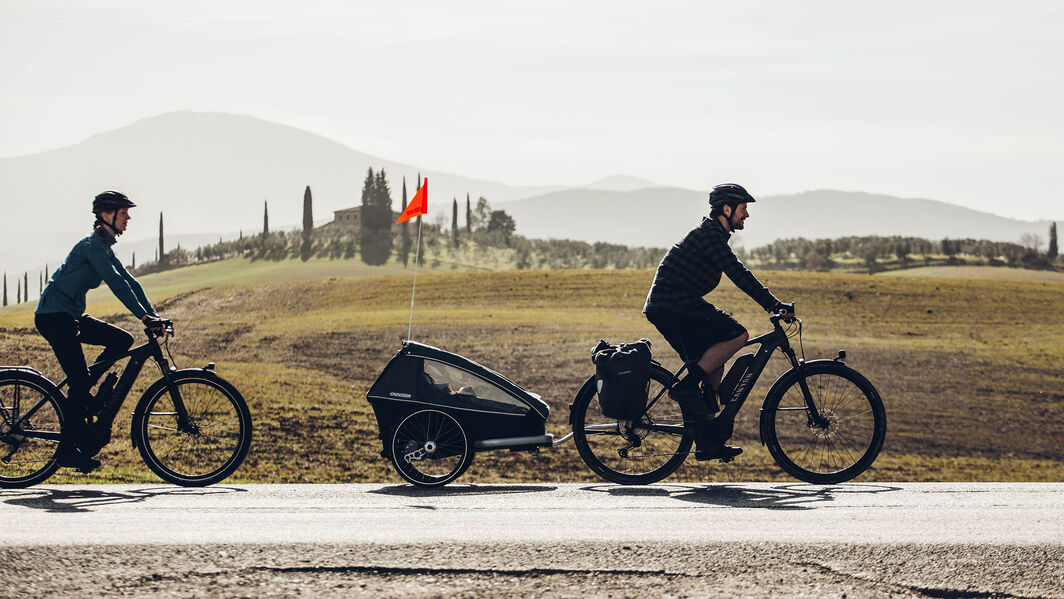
<point>822,421</point>
<point>191,426</point>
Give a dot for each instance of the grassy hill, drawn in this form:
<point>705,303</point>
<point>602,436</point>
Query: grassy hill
<point>969,369</point>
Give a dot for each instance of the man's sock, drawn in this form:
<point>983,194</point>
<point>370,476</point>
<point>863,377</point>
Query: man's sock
<point>695,374</point>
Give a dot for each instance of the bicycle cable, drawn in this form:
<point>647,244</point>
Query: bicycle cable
<point>166,345</point>
<point>795,329</point>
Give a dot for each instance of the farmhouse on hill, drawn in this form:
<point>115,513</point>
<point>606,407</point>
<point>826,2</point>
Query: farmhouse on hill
<point>351,218</point>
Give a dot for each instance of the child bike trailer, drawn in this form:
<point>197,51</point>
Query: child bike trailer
<point>436,409</point>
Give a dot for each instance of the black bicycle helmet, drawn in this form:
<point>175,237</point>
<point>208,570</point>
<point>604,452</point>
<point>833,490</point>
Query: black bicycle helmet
<point>729,194</point>
<point>110,200</point>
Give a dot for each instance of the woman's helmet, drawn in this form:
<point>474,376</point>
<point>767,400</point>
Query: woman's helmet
<point>729,194</point>
<point>110,200</point>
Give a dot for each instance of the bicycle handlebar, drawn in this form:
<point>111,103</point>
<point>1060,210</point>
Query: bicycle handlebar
<point>782,311</point>
<point>159,327</point>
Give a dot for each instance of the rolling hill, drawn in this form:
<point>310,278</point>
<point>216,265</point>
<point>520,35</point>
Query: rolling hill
<point>210,174</point>
<point>658,217</point>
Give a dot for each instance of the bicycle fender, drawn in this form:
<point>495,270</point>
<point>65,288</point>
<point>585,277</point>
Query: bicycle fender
<point>785,380</point>
<point>32,375</point>
<point>590,381</point>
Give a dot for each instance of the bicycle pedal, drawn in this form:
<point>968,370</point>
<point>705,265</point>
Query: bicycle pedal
<point>88,467</point>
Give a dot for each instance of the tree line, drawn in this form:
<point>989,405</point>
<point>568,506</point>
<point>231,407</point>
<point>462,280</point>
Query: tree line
<point>376,242</point>
<point>876,253</point>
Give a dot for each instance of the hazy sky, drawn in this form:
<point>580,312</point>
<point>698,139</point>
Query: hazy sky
<point>956,101</point>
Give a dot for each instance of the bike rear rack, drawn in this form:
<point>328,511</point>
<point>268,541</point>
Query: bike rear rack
<point>28,369</point>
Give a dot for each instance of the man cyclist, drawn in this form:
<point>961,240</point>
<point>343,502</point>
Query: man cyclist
<point>705,336</point>
<point>61,318</point>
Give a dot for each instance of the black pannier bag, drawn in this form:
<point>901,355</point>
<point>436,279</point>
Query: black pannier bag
<point>623,377</point>
<point>487,404</point>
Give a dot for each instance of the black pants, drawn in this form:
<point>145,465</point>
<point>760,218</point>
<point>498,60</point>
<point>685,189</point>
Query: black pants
<point>66,334</point>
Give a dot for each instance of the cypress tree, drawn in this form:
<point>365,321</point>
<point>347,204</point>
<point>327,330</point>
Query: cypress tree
<point>1052,241</point>
<point>40,282</point>
<point>376,246</point>
<point>265,218</point>
<point>5,287</point>
<point>18,291</point>
<point>26,286</point>
<point>134,265</point>
<point>308,225</point>
<point>404,232</point>
<point>468,216</point>
<point>162,254</point>
<point>454,222</point>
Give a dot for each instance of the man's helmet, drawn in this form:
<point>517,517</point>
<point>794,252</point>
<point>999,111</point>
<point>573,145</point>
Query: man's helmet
<point>110,200</point>
<point>729,194</point>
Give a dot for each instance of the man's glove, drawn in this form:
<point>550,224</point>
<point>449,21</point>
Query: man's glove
<point>785,311</point>
<point>158,326</point>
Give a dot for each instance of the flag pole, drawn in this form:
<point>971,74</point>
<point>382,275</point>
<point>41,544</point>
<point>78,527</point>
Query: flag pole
<point>417,258</point>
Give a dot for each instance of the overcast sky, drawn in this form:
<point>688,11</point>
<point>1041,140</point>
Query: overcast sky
<point>957,101</point>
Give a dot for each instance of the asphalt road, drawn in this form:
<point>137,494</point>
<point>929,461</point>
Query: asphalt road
<point>733,540</point>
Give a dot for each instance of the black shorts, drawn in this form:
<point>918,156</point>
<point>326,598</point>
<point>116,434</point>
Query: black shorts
<point>693,330</point>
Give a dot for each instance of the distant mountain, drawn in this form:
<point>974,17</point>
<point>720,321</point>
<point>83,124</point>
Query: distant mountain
<point>207,172</point>
<point>621,183</point>
<point>210,173</point>
<point>659,217</point>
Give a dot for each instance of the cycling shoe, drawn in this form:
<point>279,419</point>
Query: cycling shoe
<point>79,461</point>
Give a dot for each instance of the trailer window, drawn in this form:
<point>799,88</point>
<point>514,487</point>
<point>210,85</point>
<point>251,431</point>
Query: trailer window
<point>468,389</point>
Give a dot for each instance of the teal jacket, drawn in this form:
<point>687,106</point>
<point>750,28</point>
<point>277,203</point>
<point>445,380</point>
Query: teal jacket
<point>90,263</point>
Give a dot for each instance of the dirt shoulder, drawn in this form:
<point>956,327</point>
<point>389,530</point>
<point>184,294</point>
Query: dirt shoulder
<point>537,570</point>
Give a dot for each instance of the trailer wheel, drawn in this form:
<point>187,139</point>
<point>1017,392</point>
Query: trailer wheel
<point>430,448</point>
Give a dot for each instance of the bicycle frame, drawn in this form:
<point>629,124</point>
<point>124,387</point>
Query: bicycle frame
<point>138,356</point>
<point>769,343</point>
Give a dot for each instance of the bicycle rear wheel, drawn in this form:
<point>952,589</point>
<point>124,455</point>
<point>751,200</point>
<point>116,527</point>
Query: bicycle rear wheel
<point>31,424</point>
<point>631,452</point>
<point>430,448</point>
<point>208,446</point>
<point>848,441</point>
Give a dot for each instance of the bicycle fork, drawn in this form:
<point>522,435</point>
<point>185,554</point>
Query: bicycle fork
<point>812,413</point>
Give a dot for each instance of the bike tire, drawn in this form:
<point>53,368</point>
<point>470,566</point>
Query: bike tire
<point>214,443</point>
<point>611,454</point>
<point>857,424</point>
<point>27,460</point>
<point>443,447</point>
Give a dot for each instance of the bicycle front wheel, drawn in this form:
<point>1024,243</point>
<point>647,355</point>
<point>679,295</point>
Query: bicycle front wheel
<point>31,424</point>
<point>631,452</point>
<point>194,431</point>
<point>848,439</point>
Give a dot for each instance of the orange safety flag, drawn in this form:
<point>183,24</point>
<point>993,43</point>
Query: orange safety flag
<point>417,206</point>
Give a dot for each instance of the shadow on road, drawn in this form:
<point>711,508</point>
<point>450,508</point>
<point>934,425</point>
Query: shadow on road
<point>83,500</point>
<point>412,491</point>
<point>776,497</point>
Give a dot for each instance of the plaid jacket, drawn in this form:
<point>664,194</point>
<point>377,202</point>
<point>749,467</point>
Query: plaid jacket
<point>692,268</point>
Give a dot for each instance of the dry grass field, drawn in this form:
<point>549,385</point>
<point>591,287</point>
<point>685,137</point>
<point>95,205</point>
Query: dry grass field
<point>969,369</point>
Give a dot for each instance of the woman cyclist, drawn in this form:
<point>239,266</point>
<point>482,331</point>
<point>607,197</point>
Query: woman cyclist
<point>61,318</point>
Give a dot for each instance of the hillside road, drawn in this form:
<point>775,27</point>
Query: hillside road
<point>727,539</point>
